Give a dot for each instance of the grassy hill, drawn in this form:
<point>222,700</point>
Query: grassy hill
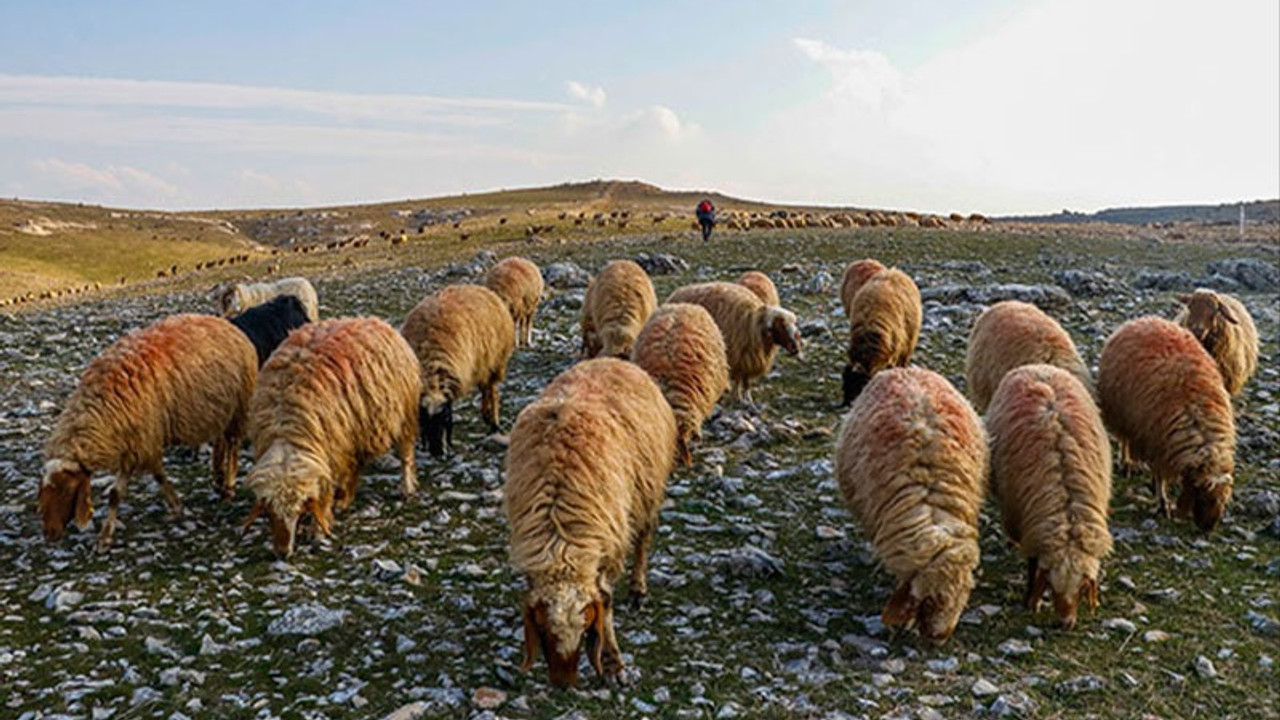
<point>1257,211</point>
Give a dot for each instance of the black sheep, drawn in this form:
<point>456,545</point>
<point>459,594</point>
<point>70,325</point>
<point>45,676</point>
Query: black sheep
<point>268,324</point>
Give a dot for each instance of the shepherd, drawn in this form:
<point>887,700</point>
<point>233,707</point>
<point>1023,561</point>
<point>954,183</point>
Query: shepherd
<point>706,218</point>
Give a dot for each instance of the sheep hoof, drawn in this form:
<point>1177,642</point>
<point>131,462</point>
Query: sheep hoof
<point>637,600</point>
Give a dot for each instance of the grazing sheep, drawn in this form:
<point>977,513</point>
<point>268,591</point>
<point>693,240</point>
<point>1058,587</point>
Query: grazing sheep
<point>1011,334</point>
<point>586,472</point>
<point>618,302</point>
<point>333,396</point>
<point>519,283</point>
<point>760,284</point>
<point>463,337</point>
<point>235,299</point>
<point>1226,330</point>
<point>911,461</point>
<point>682,349</point>
<point>855,276</point>
<point>268,324</point>
<point>752,331</point>
<point>884,327</point>
<point>184,380</point>
<point>1051,471</point>
<point>1162,397</point>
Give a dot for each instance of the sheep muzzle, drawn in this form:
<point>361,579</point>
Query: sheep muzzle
<point>64,496</point>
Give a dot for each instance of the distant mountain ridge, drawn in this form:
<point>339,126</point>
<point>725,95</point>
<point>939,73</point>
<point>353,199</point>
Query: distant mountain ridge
<point>1264,211</point>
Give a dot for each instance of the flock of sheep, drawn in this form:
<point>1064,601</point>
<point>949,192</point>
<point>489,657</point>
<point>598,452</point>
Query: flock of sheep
<point>587,462</point>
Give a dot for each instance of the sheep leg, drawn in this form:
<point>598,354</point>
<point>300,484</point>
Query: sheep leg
<point>1161,490</point>
<point>610,655</point>
<point>489,404</point>
<point>640,567</point>
<point>225,452</point>
<point>114,494</point>
<point>1031,599</point>
<point>171,498</point>
<point>408,468</point>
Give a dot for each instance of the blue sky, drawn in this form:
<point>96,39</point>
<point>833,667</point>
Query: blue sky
<point>992,105</point>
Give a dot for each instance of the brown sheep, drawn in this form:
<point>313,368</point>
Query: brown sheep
<point>760,284</point>
<point>855,276</point>
<point>1162,397</point>
<point>463,337</point>
<point>519,283</point>
<point>1051,471</point>
<point>752,331</point>
<point>333,396</point>
<point>618,303</point>
<point>183,380</point>
<point>1226,330</point>
<point>586,473</point>
<point>911,461</point>
<point>682,349</point>
<point>1011,334</point>
<point>884,327</point>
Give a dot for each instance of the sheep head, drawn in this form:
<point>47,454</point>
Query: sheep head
<point>1207,315</point>
<point>933,599</point>
<point>289,486</point>
<point>1205,496</point>
<point>616,342</point>
<point>435,413</point>
<point>1070,584</point>
<point>783,330</point>
<point>64,496</point>
<point>561,621</point>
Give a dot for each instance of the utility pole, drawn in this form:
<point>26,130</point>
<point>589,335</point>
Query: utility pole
<point>1242,220</point>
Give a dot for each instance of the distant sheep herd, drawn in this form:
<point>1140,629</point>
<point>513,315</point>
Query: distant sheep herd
<point>588,460</point>
<point>732,220</point>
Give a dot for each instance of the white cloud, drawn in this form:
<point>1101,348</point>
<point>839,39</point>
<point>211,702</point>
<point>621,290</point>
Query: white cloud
<point>862,76</point>
<point>31,90</point>
<point>593,96</point>
<point>112,183</point>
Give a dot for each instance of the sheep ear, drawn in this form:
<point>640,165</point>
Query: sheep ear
<point>1227,315</point>
<point>901,607</point>
<point>1090,592</point>
<point>530,639</point>
<point>84,503</point>
<point>595,637</point>
<point>1038,588</point>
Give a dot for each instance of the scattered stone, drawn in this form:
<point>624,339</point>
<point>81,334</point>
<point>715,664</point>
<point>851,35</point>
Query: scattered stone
<point>309,619</point>
<point>1204,667</point>
<point>1013,647</point>
<point>661,263</point>
<point>1081,684</point>
<point>1120,624</point>
<point>1262,624</point>
<point>1155,636</point>
<point>487,698</point>
<point>1014,704</point>
<point>565,275</point>
<point>984,688</point>
<point>1252,273</point>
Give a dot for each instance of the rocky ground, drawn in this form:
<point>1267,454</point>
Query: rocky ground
<point>764,595</point>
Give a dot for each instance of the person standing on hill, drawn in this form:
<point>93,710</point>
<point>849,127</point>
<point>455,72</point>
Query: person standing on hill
<point>706,218</point>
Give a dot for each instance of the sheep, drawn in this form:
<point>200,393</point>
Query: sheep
<point>1163,398</point>
<point>1226,330</point>
<point>234,299</point>
<point>183,380</point>
<point>760,284</point>
<point>519,283</point>
<point>682,349</point>
<point>1051,472</point>
<point>586,473</point>
<point>618,302</point>
<point>884,327</point>
<point>1010,334</point>
<point>752,330</point>
<point>463,337</point>
<point>268,324</point>
<point>911,462</point>
<point>855,276</point>
<point>334,395</point>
